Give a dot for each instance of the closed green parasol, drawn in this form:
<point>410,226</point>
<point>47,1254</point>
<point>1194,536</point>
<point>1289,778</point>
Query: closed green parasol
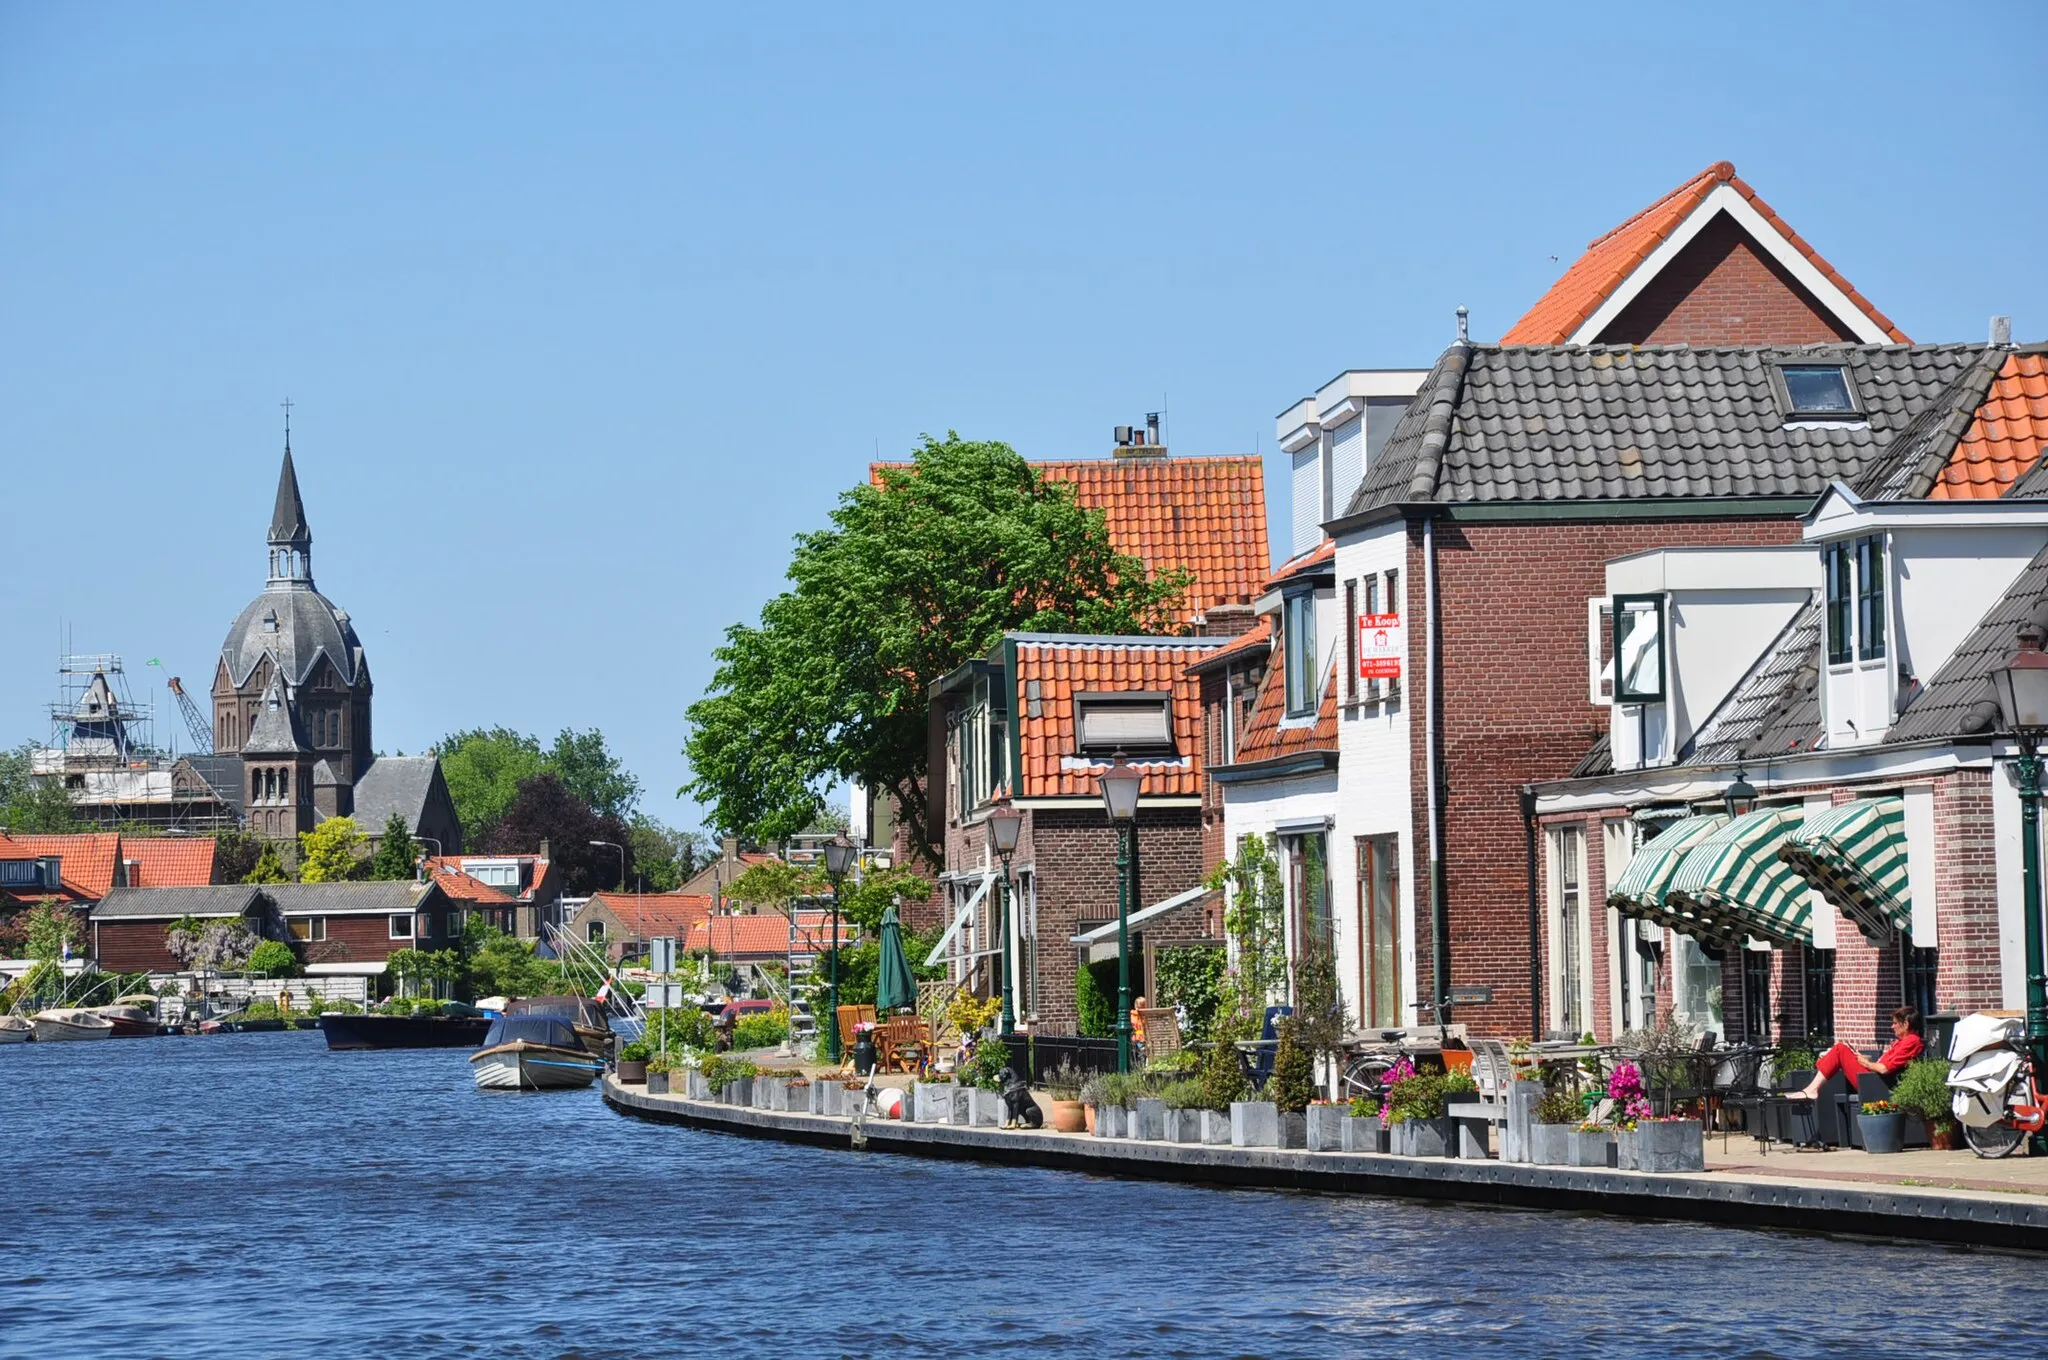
<point>895,986</point>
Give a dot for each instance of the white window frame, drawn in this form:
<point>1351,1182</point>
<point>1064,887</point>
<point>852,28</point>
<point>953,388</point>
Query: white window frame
<point>391,925</point>
<point>1582,943</point>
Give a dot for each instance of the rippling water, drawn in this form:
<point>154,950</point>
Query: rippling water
<point>255,1195</point>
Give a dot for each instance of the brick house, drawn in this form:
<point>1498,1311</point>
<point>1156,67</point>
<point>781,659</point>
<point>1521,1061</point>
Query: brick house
<point>625,922</point>
<point>345,929</point>
<point>1041,716</point>
<point>1924,567</point>
<point>521,894</point>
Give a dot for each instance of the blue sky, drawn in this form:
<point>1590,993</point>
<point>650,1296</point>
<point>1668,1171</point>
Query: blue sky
<point>585,317</point>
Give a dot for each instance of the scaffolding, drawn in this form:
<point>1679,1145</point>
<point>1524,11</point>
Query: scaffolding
<point>102,747</point>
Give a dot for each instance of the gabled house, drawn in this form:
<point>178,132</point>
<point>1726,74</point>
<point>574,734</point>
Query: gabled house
<point>521,894</point>
<point>82,867</point>
<point>344,929</point>
<point>623,923</point>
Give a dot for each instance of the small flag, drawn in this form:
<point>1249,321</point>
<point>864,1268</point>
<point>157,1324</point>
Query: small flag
<point>604,993</point>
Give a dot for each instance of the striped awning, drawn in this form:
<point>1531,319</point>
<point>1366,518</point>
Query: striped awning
<point>1640,889</point>
<point>1733,884</point>
<point>1855,855</point>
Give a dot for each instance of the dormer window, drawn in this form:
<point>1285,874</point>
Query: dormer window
<point>1299,643</point>
<point>1136,723</point>
<point>1856,608</point>
<point>1816,392</point>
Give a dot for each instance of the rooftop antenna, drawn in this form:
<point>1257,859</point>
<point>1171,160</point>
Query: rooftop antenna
<point>1464,324</point>
<point>287,404</point>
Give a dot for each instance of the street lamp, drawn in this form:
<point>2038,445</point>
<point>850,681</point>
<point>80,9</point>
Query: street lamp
<point>839,856</point>
<point>1120,784</point>
<point>1739,798</point>
<point>2021,687</point>
<point>1005,824</point>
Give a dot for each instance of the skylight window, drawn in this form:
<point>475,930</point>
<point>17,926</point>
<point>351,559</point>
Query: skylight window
<point>1818,391</point>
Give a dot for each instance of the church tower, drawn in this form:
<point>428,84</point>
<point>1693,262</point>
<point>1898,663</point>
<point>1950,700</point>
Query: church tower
<point>277,761</point>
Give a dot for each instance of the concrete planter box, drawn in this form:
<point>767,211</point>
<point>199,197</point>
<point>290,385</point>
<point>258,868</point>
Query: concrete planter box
<point>739,1091</point>
<point>1423,1137</point>
<point>1254,1123</point>
<point>694,1085</point>
<point>814,1096</point>
<point>931,1103</point>
<point>1514,1134</point>
<point>1215,1128</point>
<point>1361,1133</point>
<point>1547,1144</point>
<point>984,1108</point>
<point>1326,1128</point>
<point>796,1097</point>
<point>1113,1121</point>
<point>1475,1139</point>
<point>772,1093</point>
<point>657,1083</point>
<point>1588,1149</point>
<point>1672,1145</point>
<point>962,1113</point>
<point>1148,1119</point>
<point>1184,1126</point>
<point>1293,1131</point>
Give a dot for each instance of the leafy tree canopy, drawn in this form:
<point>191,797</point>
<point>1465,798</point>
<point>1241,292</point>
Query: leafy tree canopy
<point>268,868</point>
<point>776,884</point>
<point>327,853</point>
<point>49,928</point>
<point>664,856</point>
<point>915,577</point>
<point>485,767</point>
<point>235,855</point>
<point>545,810</point>
<point>36,806</point>
<point>274,958</point>
<point>397,855</point>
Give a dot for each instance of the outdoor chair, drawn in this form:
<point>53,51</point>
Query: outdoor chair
<point>1258,1065</point>
<point>849,1017</point>
<point>1162,1031</point>
<point>902,1043</point>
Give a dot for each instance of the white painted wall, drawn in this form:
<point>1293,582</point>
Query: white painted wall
<point>1946,579</point>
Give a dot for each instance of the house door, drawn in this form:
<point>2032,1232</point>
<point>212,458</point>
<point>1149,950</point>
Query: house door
<point>1379,933</point>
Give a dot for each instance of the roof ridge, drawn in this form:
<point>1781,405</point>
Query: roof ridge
<point>1719,172</point>
<point>1930,438</point>
<point>1436,430</point>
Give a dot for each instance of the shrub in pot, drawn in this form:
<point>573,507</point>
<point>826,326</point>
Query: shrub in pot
<point>1883,1127</point>
<point>633,1062</point>
<point>1415,1118</point>
<point>1557,1115</point>
<point>658,1068</point>
<point>1063,1084</point>
<point>1922,1090</point>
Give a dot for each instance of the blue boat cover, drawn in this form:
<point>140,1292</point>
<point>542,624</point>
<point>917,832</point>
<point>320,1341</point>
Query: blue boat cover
<point>534,1029</point>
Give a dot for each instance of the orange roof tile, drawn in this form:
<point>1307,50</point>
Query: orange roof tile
<point>651,914</point>
<point>767,935</point>
<point>170,861</point>
<point>1326,551</point>
<point>464,888</point>
<point>1206,516</point>
<point>1610,260</point>
<point>2008,435</point>
<point>1047,741</point>
<point>1257,638</point>
<point>1265,739</point>
<point>88,859</point>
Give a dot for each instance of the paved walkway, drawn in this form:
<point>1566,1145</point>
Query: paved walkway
<point>1962,1169</point>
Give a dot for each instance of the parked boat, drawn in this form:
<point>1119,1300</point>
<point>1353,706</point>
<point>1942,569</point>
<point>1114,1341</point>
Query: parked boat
<point>533,1053</point>
<point>15,1030</point>
<point>130,1022</point>
<point>68,1023</point>
<point>463,1029</point>
<point>592,1025</point>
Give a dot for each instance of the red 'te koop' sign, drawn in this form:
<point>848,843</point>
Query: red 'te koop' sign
<point>1381,642</point>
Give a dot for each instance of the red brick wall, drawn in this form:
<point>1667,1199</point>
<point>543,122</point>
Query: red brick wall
<point>1966,889</point>
<point>1512,622</point>
<point>1722,290</point>
<point>132,946</point>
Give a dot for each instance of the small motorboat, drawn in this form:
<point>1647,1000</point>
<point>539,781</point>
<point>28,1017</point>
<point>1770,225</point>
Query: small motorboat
<point>15,1030</point>
<point>456,1026</point>
<point>129,1021</point>
<point>71,1022</point>
<point>533,1053</point>
<point>592,1024</point>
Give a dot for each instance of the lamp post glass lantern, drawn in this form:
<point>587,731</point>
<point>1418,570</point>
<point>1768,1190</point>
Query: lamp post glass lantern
<point>1120,785</point>
<point>839,857</point>
<point>1739,798</point>
<point>1005,826</point>
<point>2021,688</point>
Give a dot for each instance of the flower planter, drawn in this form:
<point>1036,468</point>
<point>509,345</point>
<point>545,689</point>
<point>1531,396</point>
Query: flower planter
<point>796,1097</point>
<point>962,1112</point>
<point>1547,1144</point>
<point>1068,1116</point>
<point>1148,1119</point>
<point>1090,1118</point>
<point>633,1071</point>
<point>931,1102</point>
<point>695,1087</point>
<point>771,1093</point>
<point>1588,1149</point>
<point>1326,1128</point>
<point>1361,1133</point>
<point>1254,1123</point>
<point>1216,1128</point>
<point>739,1091</point>
<point>984,1108</point>
<point>1882,1133</point>
<point>1942,1137</point>
<point>1292,1130</point>
<point>1514,1133</point>
<point>657,1083</point>
<point>1424,1137</point>
<point>1112,1121</point>
<point>1184,1126</point>
<point>1662,1146</point>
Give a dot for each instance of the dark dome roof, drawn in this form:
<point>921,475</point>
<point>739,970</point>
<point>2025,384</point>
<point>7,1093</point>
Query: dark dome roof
<point>295,624</point>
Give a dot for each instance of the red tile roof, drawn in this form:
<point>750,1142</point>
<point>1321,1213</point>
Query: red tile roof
<point>1047,741</point>
<point>1204,515</point>
<point>2008,435</point>
<point>1323,552</point>
<point>651,914</point>
<point>1266,739</point>
<point>88,859</point>
<point>766,935</point>
<point>170,861</point>
<point>1610,260</point>
<point>463,888</point>
<point>1257,638</point>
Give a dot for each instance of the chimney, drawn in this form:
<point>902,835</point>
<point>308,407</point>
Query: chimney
<point>2001,330</point>
<point>1132,442</point>
<point>544,849</point>
<point>729,848</point>
<point>1226,620</point>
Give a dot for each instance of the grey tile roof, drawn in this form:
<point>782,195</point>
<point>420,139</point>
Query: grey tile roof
<point>1527,424</point>
<point>1775,709</point>
<point>1957,700</point>
<point>168,904</point>
<point>400,784</point>
<point>340,899</point>
<point>223,774</point>
<point>1913,460</point>
<point>1599,759</point>
<point>277,730</point>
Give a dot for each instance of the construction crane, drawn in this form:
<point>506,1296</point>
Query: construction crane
<point>195,721</point>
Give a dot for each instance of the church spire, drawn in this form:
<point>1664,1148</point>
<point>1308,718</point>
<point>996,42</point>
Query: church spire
<point>291,542</point>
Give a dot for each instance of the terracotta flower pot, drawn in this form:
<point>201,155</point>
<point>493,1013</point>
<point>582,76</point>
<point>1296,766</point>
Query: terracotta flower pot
<point>1070,1116</point>
<point>1942,1138</point>
<point>1088,1118</point>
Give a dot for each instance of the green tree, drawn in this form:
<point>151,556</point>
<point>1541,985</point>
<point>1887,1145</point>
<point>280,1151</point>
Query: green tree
<point>591,772</point>
<point>1293,1083</point>
<point>274,958</point>
<point>483,769</point>
<point>1095,999</point>
<point>914,577</point>
<point>662,855</point>
<point>328,853</point>
<point>864,902</point>
<point>235,855</point>
<point>397,855</point>
<point>28,804</point>
<point>777,884</point>
<point>49,928</point>
<point>1252,919</point>
<point>269,867</point>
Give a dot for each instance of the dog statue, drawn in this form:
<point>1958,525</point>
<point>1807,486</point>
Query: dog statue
<point>1019,1109</point>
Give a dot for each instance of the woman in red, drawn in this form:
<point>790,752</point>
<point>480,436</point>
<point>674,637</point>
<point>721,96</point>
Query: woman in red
<point>1905,1047</point>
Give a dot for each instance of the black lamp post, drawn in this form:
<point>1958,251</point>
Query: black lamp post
<point>2021,686</point>
<point>1005,825</point>
<point>839,853</point>
<point>1739,798</point>
<point>1120,785</point>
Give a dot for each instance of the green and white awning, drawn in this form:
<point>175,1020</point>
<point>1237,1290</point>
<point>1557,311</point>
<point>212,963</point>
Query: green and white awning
<point>1640,889</point>
<point>1733,884</point>
<point>1855,854</point>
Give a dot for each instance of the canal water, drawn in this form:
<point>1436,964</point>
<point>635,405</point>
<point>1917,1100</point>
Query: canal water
<point>255,1195</point>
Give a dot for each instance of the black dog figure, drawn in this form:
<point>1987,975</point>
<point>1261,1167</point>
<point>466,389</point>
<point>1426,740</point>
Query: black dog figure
<point>1018,1106</point>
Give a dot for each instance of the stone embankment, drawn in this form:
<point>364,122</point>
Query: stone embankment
<point>2004,1220</point>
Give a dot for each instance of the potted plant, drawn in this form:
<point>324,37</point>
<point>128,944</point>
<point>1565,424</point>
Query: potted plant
<point>1092,1097</point>
<point>1063,1084</point>
<point>1292,1086</point>
<point>1882,1125</point>
<point>1663,1143</point>
<point>1417,1124</point>
<point>658,1068</point>
<point>1183,1119</point>
<point>1360,1130</point>
<point>633,1063</point>
<point>1557,1114</point>
<point>1922,1091</point>
<point>982,1078</point>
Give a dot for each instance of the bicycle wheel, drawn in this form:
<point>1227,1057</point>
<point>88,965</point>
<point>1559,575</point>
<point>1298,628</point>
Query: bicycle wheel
<point>1995,1140</point>
<point>1365,1075</point>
